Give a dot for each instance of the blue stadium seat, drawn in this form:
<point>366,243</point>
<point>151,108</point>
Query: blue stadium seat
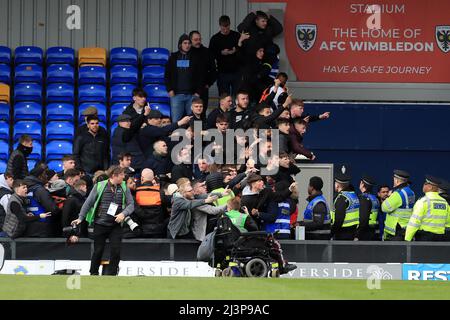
<point>4,130</point>
<point>28,92</point>
<point>92,75</point>
<point>55,165</point>
<point>121,93</point>
<point>161,107</point>
<point>27,111</point>
<point>124,74</point>
<point>60,55</point>
<point>4,111</point>
<point>117,109</point>
<point>57,149</point>
<point>5,55</point>
<point>153,75</point>
<point>158,56</point>
<point>60,111</point>
<point>32,164</point>
<point>156,93</point>
<point>60,92</point>
<point>4,150</point>
<point>28,54</point>
<point>92,93</point>
<point>31,128</point>
<point>113,128</point>
<point>101,108</point>
<point>60,73</point>
<point>123,55</point>
<point>36,154</point>
<point>60,130</point>
<point>3,166</point>
<point>28,73</point>
<point>5,73</point>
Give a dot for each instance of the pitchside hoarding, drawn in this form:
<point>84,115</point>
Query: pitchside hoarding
<point>412,271</point>
<point>355,41</point>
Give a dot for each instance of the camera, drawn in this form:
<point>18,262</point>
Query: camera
<point>72,230</point>
<point>133,225</point>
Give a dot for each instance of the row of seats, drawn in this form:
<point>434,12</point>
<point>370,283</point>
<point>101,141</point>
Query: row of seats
<point>86,56</point>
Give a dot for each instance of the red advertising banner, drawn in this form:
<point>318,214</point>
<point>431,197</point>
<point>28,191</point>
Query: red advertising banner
<point>368,41</point>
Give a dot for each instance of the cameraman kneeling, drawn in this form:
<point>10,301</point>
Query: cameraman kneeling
<point>108,204</point>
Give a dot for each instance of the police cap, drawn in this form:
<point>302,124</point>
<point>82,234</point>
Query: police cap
<point>432,180</point>
<point>401,174</point>
<point>342,178</point>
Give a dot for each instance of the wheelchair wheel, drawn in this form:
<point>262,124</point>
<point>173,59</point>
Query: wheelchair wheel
<point>228,272</point>
<point>256,268</point>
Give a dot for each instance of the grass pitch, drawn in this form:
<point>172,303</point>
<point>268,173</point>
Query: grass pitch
<point>174,288</point>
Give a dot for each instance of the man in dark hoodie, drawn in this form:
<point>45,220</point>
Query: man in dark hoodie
<point>207,64</point>
<point>72,206</point>
<point>17,162</point>
<point>6,182</point>
<point>182,78</point>
<point>41,201</point>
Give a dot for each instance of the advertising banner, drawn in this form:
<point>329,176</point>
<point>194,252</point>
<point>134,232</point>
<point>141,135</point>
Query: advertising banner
<point>389,41</point>
<point>413,271</point>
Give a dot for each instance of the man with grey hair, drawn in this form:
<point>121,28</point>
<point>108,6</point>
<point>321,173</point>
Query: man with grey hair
<point>159,161</point>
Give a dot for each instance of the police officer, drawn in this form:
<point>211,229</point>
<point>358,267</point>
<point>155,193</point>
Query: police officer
<point>345,217</point>
<point>444,190</point>
<point>398,207</point>
<point>317,219</point>
<point>429,215</point>
<point>368,210</point>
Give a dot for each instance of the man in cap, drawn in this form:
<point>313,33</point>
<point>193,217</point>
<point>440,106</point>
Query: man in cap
<point>317,219</point>
<point>89,111</point>
<point>444,190</point>
<point>345,217</point>
<point>429,215</point>
<point>398,207</point>
<point>125,140</point>
<point>182,79</point>
<point>368,210</point>
<point>153,131</point>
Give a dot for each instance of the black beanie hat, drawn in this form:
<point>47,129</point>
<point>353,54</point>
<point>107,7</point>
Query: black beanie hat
<point>183,37</point>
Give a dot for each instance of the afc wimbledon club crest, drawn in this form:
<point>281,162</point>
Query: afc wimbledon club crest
<point>443,38</point>
<point>306,35</point>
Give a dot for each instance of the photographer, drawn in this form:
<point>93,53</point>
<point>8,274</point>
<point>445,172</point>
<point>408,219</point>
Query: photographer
<point>107,206</point>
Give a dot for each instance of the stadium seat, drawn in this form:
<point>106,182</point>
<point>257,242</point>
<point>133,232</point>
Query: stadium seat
<point>60,55</point>
<point>4,130</point>
<point>60,73</point>
<point>55,165</point>
<point>92,93</point>
<point>123,55</point>
<point>4,150</point>
<point>32,164</point>
<point>5,93</point>
<point>117,109</point>
<point>5,55</point>
<point>28,92</point>
<point>156,93</point>
<point>113,128</point>
<point>28,54</point>
<point>31,128</point>
<point>5,73</point>
<point>121,93</point>
<point>60,92</point>
<point>101,108</point>
<point>27,111</point>
<point>92,56</point>
<point>161,107</point>
<point>4,111</point>
<point>59,130</point>
<point>28,73</point>
<point>158,56</point>
<point>91,75</point>
<point>36,154</point>
<point>124,74</point>
<point>3,165</point>
<point>60,111</point>
<point>153,75</point>
<point>57,149</point>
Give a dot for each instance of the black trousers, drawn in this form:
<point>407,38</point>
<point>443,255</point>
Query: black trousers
<point>399,234</point>
<point>347,233</point>
<point>114,234</point>
<point>428,236</point>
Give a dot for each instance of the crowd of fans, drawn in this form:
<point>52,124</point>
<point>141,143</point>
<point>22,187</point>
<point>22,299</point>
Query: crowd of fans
<point>178,189</point>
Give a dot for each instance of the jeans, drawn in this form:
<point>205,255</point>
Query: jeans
<point>101,233</point>
<point>228,82</point>
<point>180,106</point>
